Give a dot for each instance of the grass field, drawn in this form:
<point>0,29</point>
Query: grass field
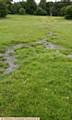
<point>42,84</point>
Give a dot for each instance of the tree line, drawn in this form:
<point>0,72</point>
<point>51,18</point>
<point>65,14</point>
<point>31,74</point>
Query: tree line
<point>61,8</point>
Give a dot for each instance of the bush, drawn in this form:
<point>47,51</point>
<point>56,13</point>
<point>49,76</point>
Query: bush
<point>68,12</point>
<point>40,11</point>
<point>22,11</point>
<point>3,10</point>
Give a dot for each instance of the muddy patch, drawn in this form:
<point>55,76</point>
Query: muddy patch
<point>48,44</point>
<point>9,58</point>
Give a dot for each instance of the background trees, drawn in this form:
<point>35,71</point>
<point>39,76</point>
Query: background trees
<point>41,11</point>
<point>31,7</point>
<point>42,4</point>
<point>3,10</point>
<point>43,8</point>
<point>68,12</point>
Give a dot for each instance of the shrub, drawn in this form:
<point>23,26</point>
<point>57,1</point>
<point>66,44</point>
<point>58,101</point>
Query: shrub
<point>68,12</point>
<point>40,11</point>
<point>21,11</point>
<point>3,10</point>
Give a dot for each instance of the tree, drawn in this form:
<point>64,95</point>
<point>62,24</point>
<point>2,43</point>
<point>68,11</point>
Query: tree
<point>65,0</point>
<point>41,11</point>
<point>22,11</point>
<point>49,8</point>
<point>42,4</point>
<point>17,6</point>
<point>68,12</point>
<point>6,1</point>
<point>3,10</point>
<point>31,6</point>
<point>8,4</point>
<point>13,9</point>
<point>23,4</point>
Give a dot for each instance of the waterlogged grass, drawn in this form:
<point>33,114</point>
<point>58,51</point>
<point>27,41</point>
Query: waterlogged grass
<point>42,84</point>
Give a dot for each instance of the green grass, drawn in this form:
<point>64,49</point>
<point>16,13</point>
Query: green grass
<point>42,85</point>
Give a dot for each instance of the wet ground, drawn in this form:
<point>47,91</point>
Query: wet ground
<point>9,58</point>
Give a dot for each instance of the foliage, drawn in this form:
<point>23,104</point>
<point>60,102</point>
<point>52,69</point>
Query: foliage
<point>31,6</point>
<point>6,1</point>
<point>22,11</point>
<point>40,11</point>
<point>44,8</point>
<point>13,9</point>
<point>42,4</point>
<point>3,9</point>
<point>54,8</point>
<point>23,4</point>
<point>62,11</point>
<point>68,12</point>
<point>65,1</point>
<point>17,6</point>
<point>49,7</point>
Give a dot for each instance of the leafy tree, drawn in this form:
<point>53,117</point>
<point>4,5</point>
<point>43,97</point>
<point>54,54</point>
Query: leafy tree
<point>62,11</point>
<point>23,4</point>
<point>3,10</point>
<point>31,6</point>
<point>8,4</point>
<point>49,8</point>
<point>22,11</point>
<point>56,8</point>
<point>6,1</point>
<point>68,12</point>
<point>43,4</point>
<point>65,0</point>
<point>13,9</point>
<point>17,6</point>
<point>41,11</point>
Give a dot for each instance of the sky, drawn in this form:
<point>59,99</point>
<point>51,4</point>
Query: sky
<point>35,0</point>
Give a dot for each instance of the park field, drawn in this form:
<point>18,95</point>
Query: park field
<point>38,52</point>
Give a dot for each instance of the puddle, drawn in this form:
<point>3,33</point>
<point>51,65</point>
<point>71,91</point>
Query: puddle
<point>69,56</point>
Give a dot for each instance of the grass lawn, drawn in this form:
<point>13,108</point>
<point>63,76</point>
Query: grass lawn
<point>42,84</point>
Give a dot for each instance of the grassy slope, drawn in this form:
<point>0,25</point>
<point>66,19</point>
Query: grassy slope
<point>42,86</point>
